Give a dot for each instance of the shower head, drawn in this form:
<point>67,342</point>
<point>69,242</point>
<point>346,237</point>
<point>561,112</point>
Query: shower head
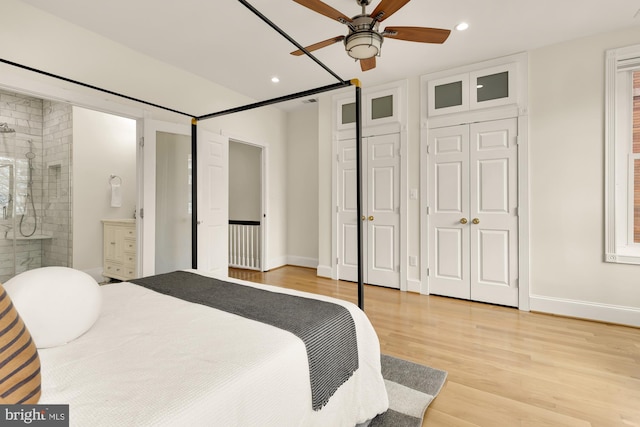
<point>4,128</point>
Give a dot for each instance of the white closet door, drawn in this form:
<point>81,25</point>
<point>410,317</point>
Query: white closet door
<point>494,220</point>
<point>473,222</point>
<point>380,210</point>
<point>449,211</point>
<point>383,210</point>
<point>347,216</point>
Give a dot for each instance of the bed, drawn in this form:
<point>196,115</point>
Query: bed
<point>153,359</point>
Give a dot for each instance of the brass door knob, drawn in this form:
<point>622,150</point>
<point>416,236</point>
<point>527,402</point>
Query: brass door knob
<point>371,218</point>
<point>463,220</point>
<point>475,221</point>
<point>363,218</point>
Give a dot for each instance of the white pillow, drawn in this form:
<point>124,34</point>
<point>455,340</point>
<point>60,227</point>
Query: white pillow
<point>58,304</point>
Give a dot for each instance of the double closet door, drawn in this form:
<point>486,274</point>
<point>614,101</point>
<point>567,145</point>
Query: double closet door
<point>380,210</point>
<point>473,218</point>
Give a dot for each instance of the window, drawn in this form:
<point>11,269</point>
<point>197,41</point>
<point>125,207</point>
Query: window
<point>622,227</point>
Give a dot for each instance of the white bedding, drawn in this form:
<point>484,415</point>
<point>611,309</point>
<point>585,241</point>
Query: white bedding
<point>155,360</point>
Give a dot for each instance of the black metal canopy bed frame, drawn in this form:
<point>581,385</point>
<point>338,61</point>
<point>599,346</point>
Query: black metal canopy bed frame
<point>190,348</point>
<point>196,118</point>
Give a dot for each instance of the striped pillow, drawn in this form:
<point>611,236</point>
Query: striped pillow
<point>19,361</point>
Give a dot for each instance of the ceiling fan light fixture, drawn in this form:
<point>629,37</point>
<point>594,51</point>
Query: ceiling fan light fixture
<point>363,44</point>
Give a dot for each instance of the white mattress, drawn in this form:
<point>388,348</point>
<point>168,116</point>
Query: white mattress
<point>155,360</point>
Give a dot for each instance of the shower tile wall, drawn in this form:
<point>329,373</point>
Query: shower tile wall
<point>35,120</point>
<point>56,219</point>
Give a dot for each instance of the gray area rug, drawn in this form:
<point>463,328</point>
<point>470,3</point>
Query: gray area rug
<point>411,388</point>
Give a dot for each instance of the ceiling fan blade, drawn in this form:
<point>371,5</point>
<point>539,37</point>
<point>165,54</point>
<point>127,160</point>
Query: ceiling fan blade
<point>368,64</point>
<point>388,8</point>
<point>324,9</point>
<point>319,45</point>
<point>417,34</point>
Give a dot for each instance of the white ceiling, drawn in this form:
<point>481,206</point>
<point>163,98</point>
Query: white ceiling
<point>221,40</point>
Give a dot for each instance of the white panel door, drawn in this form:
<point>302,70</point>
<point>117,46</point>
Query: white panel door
<point>347,212</point>
<point>380,210</point>
<point>494,220</point>
<point>473,223</point>
<point>213,202</point>
<point>449,211</point>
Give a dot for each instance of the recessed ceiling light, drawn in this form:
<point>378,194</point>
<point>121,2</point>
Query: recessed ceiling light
<point>274,79</point>
<point>462,26</point>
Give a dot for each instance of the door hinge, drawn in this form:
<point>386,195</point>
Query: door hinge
<point>337,260</point>
<point>337,209</point>
<point>428,148</point>
<point>141,142</point>
<point>428,210</point>
<point>428,271</point>
<point>338,158</point>
<point>141,213</point>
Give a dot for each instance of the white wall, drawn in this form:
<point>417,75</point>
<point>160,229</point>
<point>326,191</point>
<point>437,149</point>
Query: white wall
<point>302,187</point>
<point>245,182</point>
<point>325,211</point>
<point>103,145</point>
<point>568,274</point>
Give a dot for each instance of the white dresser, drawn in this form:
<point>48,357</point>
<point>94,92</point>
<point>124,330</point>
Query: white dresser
<point>119,252</point>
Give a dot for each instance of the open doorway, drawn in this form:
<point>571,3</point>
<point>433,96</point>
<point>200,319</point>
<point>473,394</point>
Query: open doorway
<point>246,206</point>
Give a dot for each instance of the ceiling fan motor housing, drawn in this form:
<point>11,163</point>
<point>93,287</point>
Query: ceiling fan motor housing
<point>363,41</point>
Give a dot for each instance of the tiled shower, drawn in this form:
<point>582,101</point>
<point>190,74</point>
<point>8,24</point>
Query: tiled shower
<point>35,183</point>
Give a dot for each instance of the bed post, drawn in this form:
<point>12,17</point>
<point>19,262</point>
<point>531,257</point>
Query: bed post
<point>194,193</point>
<point>356,83</point>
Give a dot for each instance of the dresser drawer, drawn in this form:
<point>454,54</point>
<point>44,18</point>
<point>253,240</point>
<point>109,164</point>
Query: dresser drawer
<point>113,269</point>
<point>130,260</point>
<point>129,245</point>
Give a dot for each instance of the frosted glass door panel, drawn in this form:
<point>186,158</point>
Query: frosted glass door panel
<point>382,107</point>
<point>349,113</point>
<point>448,95</point>
<point>493,86</point>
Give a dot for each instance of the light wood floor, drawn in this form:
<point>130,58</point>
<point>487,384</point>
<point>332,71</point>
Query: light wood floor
<point>505,367</point>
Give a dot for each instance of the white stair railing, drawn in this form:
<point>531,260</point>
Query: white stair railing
<point>245,245</point>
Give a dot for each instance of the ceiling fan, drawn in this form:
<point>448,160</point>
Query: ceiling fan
<point>364,40</point>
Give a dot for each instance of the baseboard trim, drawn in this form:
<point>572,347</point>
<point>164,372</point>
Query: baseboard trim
<point>299,261</point>
<point>621,315</point>
<point>325,271</point>
<point>274,263</point>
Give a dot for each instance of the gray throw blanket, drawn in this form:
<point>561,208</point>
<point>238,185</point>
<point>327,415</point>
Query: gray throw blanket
<point>327,329</point>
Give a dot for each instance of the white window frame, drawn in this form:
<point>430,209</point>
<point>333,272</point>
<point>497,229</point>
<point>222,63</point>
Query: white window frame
<point>619,244</point>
